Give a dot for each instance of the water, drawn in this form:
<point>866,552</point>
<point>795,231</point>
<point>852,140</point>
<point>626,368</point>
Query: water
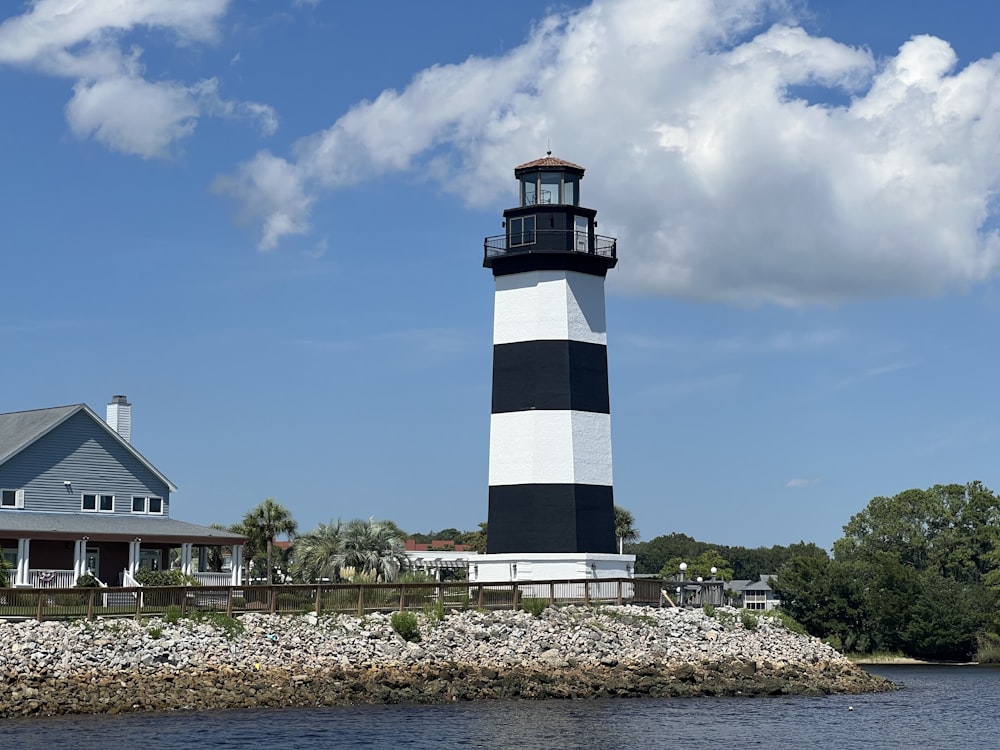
<point>940,707</point>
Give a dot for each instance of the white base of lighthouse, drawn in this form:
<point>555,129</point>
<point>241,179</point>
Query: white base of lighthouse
<point>549,566</point>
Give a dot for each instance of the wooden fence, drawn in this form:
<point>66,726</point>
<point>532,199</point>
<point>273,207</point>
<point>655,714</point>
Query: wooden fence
<point>146,601</point>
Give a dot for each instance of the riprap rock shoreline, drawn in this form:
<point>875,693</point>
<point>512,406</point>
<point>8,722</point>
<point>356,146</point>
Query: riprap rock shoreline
<point>111,666</point>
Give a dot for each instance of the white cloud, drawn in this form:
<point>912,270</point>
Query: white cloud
<point>719,180</point>
<point>112,101</point>
<point>798,483</point>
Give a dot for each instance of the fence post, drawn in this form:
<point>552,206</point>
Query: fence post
<point>361,600</point>
<point>479,604</point>
<point>229,602</point>
<point>184,600</point>
<point>586,592</point>
<point>138,606</point>
<point>619,592</point>
<point>271,597</point>
<point>90,604</point>
<point>319,598</point>
<point>516,590</point>
<point>38,614</point>
<point>402,597</point>
<point>552,593</point>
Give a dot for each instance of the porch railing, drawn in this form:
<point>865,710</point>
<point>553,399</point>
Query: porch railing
<point>51,579</point>
<point>214,579</point>
<point>63,603</point>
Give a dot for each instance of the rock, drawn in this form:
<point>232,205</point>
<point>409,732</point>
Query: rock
<point>116,666</point>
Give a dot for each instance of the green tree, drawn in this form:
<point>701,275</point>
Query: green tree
<point>318,553</point>
<point>475,540</point>
<point>625,530</point>
<point>263,524</point>
<point>372,548</point>
<point>700,567</point>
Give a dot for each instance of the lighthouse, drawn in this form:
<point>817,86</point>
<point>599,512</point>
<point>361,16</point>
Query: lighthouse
<point>551,494</point>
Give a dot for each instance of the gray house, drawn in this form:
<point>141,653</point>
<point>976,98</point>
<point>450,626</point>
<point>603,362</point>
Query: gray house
<point>755,594</point>
<point>76,497</point>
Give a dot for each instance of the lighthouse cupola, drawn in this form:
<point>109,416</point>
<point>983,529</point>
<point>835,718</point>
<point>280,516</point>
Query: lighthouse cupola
<point>549,220</point>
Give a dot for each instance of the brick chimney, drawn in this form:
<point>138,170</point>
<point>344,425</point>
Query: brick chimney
<point>119,417</point>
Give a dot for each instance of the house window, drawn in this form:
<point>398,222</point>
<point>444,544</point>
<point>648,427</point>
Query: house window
<point>11,498</point>
<point>147,505</point>
<point>10,555</point>
<point>101,503</point>
<point>522,231</point>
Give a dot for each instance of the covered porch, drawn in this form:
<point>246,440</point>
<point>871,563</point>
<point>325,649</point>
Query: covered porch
<point>114,550</point>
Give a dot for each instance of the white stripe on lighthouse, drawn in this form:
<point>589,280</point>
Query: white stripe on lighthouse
<point>549,305</point>
<point>550,447</point>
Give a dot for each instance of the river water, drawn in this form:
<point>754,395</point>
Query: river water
<point>939,707</point>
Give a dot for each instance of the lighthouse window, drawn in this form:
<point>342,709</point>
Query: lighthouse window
<point>551,182</point>
<point>530,188</point>
<point>522,231</point>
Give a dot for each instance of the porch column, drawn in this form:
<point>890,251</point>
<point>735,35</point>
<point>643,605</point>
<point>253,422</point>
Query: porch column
<point>133,557</point>
<point>80,558</point>
<point>186,554</point>
<point>23,566</point>
<point>237,565</point>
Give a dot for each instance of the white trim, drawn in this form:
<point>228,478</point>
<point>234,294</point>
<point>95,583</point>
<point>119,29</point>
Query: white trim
<point>18,499</point>
<point>550,447</point>
<point>98,497</point>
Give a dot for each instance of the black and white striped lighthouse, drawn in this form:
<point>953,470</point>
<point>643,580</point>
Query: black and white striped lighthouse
<point>550,427</point>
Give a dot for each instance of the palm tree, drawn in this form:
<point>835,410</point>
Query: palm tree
<point>265,522</point>
<point>318,553</point>
<point>372,547</point>
<point>625,529</point>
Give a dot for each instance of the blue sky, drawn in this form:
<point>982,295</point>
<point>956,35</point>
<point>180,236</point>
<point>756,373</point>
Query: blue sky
<point>262,221</point>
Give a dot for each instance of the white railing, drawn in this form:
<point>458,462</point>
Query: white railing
<point>52,579</point>
<point>214,579</point>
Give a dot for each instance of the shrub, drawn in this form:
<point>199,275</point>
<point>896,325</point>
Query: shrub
<point>988,648</point>
<point>709,610</point>
<point>434,611</point>
<point>534,606</point>
<point>228,625</point>
<point>405,623</point>
<point>87,581</point>
<point>749,619</point>
<point>164,578</point>
<point>172,614</point>
<point>789,622</point>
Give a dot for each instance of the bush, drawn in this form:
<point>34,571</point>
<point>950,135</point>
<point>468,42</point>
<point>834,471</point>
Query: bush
<point>788,621</point>
<point>434,611</point>
<point>988,648</point>
<point>749,619</point>
<point>164,578</point>
<point>709,610</point>
<point>405,623</point>
<point>534,606</point>
<point>87,581</point>
<point>172,614</point>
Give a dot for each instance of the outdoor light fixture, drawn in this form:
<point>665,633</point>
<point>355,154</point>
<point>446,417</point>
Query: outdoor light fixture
<point>67,483</point>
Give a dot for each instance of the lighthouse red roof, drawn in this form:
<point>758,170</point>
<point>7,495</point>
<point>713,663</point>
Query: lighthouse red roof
<point>548,161</point>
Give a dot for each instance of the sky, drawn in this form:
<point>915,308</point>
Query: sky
<point>262,221</point>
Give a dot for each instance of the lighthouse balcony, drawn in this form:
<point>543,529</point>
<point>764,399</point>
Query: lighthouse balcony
<point>549,241</point>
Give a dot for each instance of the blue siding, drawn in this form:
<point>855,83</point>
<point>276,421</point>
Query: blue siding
<point>82,452</point>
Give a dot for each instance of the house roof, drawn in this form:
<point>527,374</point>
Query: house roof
<point>110,527</point>
<point>761,585</point>
<point>20,429</point>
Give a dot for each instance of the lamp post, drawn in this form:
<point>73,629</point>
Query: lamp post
<point>680,597</point>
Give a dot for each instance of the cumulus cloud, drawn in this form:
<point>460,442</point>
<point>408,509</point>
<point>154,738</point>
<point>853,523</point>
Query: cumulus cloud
<point>709,151</point>
<point>112,100</point>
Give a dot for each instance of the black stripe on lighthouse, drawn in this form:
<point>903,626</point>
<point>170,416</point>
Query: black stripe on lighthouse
<point>550,375</point>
